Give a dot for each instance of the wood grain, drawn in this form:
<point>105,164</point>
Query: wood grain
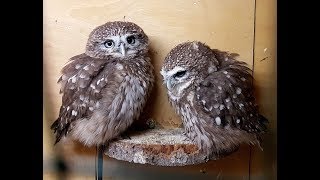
<point>264,163</point>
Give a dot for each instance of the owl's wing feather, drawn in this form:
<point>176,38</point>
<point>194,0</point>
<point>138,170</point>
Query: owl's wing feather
<point>227,96</point>
<point>81,81</point>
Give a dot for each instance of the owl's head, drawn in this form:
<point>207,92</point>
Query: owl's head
<point>117,39</point>
<point>186,65</point>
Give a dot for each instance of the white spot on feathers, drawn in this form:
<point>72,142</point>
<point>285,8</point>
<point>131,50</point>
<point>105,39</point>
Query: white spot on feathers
<point>234,96</point>
<point>78,66</point>
<point>212,69</point>
<point>91,108</point>
<point>82,76</point>
<point>241,105</point>
<point>119,66</point>
<point>238,121</point>
<point>219,87</point>
<point>74,113</point>
<point>195,46</point>
<point>218,120</point>
<point>221,107</point>
<point>216,106</point>
<point>73,79</point>
<point>81,97</point>
<point>98,82</point>
<point>92,86</point>
<point>228,76</point>
<point>228,99</point>
<point>243,79</point>
<point>68,108</point>
<point>64,77</point>
<point>86,68</point>
<point>203,102</point>
<point>225,72</point>
<point>238,90</point>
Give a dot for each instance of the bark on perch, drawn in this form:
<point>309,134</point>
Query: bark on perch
<point>162,147</point>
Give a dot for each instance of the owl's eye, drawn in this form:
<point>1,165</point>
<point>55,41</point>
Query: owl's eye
<point>180,74</point>
<point>131,39</point>
<point>109,44</point>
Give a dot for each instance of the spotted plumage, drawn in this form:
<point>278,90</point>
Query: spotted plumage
<point>213,93</point>
<point>105,89</point>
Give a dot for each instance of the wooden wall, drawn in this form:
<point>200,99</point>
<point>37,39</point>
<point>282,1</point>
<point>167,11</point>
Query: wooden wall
<point>246,27</point>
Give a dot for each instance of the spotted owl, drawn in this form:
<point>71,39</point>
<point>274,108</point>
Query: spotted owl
<point>213,94</point>
<point>106,88</point>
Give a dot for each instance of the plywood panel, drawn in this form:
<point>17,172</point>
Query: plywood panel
<point>264,163</point>
<point>226,25</point>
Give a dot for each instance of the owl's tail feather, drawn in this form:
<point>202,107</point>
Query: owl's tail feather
<point>59,130</point>
<point>263,121</point>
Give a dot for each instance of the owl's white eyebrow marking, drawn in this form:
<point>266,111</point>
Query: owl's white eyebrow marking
<point>171,72</point>
<point>218,120</point>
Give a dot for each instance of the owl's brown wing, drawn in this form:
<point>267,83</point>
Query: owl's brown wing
<point>227,97</point>
<point>81,81</point>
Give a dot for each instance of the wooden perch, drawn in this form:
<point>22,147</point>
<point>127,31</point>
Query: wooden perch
<point>162,147</point>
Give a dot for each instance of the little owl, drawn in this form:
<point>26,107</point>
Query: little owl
<point>213,93</point>
<point>105,89</point>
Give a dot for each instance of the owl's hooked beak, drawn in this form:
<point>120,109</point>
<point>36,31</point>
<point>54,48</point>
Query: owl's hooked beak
<point>169,84</point>
<point>122,49</point>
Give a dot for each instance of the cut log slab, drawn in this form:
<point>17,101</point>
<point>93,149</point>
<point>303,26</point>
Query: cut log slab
<point>162,147</point>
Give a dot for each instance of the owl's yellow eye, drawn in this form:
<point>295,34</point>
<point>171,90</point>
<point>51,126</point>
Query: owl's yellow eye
<point>131,39</point>
<point>109,44</point>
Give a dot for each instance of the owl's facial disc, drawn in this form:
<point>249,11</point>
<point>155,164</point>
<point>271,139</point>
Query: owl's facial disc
<point>122,45</point>
<point>176,80</point>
